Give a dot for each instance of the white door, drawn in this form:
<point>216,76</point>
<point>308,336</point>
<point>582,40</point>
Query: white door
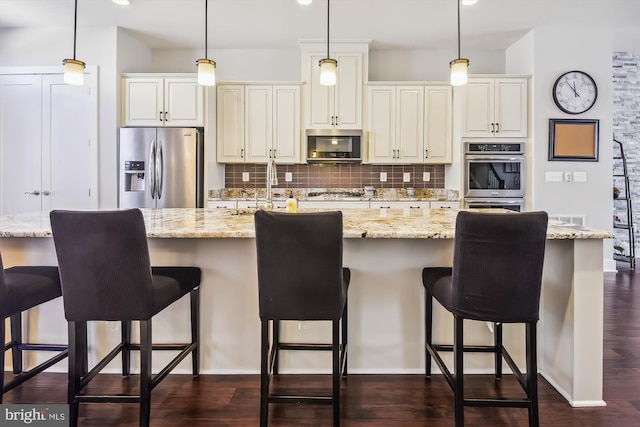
<point>66,158</point>
<point>20,136</point>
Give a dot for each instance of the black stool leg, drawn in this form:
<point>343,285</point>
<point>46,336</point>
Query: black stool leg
<point>532,373</point>
<point>497,336</point>
<point>336,372</point>
<point>264,373</point>
<point>145,372</point>
<point>428,333</point>
<point>458,353</point>
<point>276,345</point>
<point>77,354</point>
<point>125,330</point>
<point>195,329</point>
<point>3,339</point>
<point>16,338</point>
<point>345,328</point>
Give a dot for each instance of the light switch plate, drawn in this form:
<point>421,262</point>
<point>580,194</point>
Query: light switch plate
<point>426,176</point>
<point>568,176</point>
<point>580,177</point>
<point>383,176</point>
<point>288,176</point>
<point>245,176</point>
<point>406,177</point>
<point>553,176</point>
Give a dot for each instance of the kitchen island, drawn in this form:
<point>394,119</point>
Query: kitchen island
<point>386,250</point>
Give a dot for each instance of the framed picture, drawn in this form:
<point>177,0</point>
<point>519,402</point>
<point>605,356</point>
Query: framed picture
<point>573,140</point>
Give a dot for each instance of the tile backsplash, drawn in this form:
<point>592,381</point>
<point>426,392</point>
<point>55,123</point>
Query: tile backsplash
<point>336,176</point>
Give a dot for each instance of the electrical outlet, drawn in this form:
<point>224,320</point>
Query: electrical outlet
<point>245,176</point>
<point>568,176</point>
<point>426,176</point>
<point>383,176</point>
<point>406,177</point>
<point>288,176</point>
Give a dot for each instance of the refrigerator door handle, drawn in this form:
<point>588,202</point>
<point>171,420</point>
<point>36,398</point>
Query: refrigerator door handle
<point>159,170</point>
<point>151,168</point>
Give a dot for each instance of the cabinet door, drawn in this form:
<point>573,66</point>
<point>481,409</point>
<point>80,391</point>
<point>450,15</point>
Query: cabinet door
<point>410,124</point>
<point>445,205</point>
<point>321,109</point>
<point>286,124</point>
<point>230,123</point>
<point>258,121</point>
<point>511,107</point>
<point>221,204</point>
<point>399,204</point>
<point>478,108</point>
<point>438,125</point>
<point>183,102</point>
<point>348,91</point>
<point>333,204</point>
<point>143,102</point>
<point>382,123</point>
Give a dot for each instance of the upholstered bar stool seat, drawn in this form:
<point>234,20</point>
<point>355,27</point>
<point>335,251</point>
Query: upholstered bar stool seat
<point>23,288</point>
<point>496,277</point>
<point>106,275</point>
<point>301,278</point>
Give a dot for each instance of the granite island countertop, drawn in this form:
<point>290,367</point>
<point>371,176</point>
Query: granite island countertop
<point>234,223</point>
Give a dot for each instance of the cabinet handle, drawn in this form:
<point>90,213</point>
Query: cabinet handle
<point>165,117</point>
<point>414,207</point>
<point>493,128</point>
<point>160,115</point>
<point>34,193</point>
<point>242,153</point>
<point>426,154</point>
<point>497,127</point>
<point>274,154</point>
<point>270,153</point>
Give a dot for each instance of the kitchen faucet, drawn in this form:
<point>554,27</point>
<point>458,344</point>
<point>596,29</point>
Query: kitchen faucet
<point>272,179</point>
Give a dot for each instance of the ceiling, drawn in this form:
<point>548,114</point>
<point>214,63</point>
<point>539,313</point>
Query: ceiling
<point>259,24</point>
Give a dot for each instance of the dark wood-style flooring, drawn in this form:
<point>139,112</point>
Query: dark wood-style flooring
<point>377,400</point>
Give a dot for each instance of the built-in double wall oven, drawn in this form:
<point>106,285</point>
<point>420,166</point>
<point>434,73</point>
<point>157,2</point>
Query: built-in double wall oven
<point>494,175</point>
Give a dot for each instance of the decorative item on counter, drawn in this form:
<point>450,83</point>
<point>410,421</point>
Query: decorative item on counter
<point>369,191</point>
<point>616,192</point>
<point>411,192</point>
<point>291,204</point>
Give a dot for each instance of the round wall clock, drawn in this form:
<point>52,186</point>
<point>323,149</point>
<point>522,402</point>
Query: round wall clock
<point>575,92</point>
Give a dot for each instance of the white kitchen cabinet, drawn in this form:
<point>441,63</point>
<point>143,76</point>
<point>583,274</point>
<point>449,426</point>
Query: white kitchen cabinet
<point>445,205</point>
<point>495,107</point>
<point>251,204</point>
<point>162,101</point>
<point>258,122</point>
<point>438,124</point>
<point>221,204</point>
<point>396,124</point>
<point>400,204</point>
<point>333,204</point>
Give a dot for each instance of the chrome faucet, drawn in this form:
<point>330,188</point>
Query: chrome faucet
<point>272,179</point>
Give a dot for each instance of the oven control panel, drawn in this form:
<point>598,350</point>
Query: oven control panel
<point>495,148</point>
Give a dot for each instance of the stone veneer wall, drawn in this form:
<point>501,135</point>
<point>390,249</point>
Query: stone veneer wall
<point>626,129</point>
<point>336,176</point>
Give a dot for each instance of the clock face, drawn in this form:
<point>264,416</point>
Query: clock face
<point>575,92</point>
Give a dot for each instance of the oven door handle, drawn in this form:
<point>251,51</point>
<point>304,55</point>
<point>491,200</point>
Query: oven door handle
<point>495,158</point>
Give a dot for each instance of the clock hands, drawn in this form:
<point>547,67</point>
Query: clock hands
<point>573,88</point>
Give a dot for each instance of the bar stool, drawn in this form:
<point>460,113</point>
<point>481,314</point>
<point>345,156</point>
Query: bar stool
<point>22,288</point>
<point>301,277</point>
<point>105,274</point>
<point>496,277</point>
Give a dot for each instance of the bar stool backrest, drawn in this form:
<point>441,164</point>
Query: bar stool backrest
<point>299,259</point>
<point>497,265</point>
<point>103,258</point>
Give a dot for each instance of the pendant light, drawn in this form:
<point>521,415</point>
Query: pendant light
<point>459,66</point>
<point>206,67</point>
<point>328,65</point>
<point>73,68</point>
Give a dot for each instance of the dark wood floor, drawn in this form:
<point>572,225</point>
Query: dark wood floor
<point>378,400</point>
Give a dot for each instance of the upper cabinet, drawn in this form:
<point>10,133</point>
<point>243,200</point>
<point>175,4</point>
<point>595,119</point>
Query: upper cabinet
<point>162,101</point>
<point>409,124</point>
<point>339,106</point>
<point>258,122</point>
<point>495,107</point>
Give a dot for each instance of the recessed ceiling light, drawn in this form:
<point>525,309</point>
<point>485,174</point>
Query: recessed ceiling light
<point>122,2</point>
<point>305,2</point>
<point>469,2</point>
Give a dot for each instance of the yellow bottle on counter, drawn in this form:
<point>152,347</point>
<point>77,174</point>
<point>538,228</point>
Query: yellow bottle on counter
<point>291,204</point>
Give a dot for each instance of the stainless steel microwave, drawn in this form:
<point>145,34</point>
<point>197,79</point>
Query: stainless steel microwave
<point>334,146</point>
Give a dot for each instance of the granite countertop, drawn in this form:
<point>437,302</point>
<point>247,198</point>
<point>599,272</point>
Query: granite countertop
<point>232,223</point>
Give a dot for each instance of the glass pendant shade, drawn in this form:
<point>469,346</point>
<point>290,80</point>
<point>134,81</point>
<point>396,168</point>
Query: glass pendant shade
<point>206,72</point>
<point>459,71</point>
<point>73,72</point>
<point>305,2</point>
<point>328,68</point>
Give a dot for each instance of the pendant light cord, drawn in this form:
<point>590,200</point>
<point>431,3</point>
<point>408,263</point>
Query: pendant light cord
<point>206,14</point>
<point>459,29</point>
<point>328,2</point>
<point>75,27</point>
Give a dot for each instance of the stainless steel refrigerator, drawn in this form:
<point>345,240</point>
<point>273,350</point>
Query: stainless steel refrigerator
<point>161,168</point>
